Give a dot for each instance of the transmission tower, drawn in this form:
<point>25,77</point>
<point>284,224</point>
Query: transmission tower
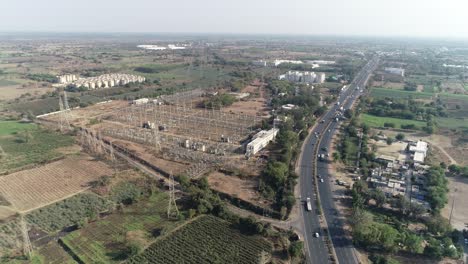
<point>64,114</point>
<point>27,247</point>
<point>172,210</point>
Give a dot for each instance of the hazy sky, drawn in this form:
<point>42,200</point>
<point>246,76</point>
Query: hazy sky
<point>336,17</point>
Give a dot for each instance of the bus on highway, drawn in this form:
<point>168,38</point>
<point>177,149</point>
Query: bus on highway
<point>308,204</point>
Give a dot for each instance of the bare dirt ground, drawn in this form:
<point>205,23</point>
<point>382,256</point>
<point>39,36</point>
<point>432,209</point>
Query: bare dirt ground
<point>6,212</point>
<point>82,116</point>
<point>149,155</point>
<point>420,88</point>
<point>458,198</point>
<point>254,105</point>
<point>396,149</point>
<point>454,152</point>
<point>30,189</point>
<point>13,91</point>
<point>390,85</point>
<point>244,189</point>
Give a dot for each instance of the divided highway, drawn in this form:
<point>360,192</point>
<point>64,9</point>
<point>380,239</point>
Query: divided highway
<point>318,142</point>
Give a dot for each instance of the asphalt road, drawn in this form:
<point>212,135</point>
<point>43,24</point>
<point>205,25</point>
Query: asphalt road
<point>316,248</point>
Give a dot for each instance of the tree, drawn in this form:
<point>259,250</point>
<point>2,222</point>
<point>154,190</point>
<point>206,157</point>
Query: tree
<point>416,210</point>
<point>295,249</point>
<point>336,156</point>
<point>348,113</point>
<point>433,249</point>
<point>413,243</point>
<point>438,225</point>
<point>379,197</point>
<point>402,204</point>
<point>400,136</point>
<point>276,173</point>
<point>389,141</point>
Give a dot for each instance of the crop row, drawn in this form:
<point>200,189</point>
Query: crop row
<point>206,240</point>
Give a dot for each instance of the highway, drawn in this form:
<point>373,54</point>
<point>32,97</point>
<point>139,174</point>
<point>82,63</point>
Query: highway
<point>320,138</point>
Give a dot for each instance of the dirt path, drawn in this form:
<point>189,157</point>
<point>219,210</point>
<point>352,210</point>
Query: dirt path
<point>286,225</point>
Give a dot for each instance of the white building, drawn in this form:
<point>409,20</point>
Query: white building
<point>278,62</point>
<point>419,151</point>
<point>140,101</point>
<point>67,78</point>
<point>174,47</point>
<point>303,77</point>
<point>260,140</point>
<point>260,63</point>
<point>320,78</point>
<point>320,62</point>
<point>108,80</point>
<point>151,47</point>
<point>396,71</point>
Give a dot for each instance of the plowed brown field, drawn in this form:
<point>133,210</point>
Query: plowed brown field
<point>29,189</point>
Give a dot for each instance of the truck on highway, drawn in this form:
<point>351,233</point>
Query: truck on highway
<point>308,204</point>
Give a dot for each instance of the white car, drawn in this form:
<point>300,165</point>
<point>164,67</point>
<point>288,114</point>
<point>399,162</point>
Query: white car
<point>321,180</point>
<point>316,235</point>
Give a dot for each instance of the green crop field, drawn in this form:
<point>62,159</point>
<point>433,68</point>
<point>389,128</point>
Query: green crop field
<point>443,122</point>
<point>207,239</point>
<point>103,241</point>
<point>377,121</point>
<point>12,127</point>
<point>394,93</point>
<point>4,82</point>
<point>25,144</point>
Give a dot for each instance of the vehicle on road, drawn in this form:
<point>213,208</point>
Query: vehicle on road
<point>321,180</point>
<point>308,204</point>
<point>316,234</point>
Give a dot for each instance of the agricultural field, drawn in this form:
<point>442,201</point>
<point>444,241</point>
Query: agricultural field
<point>107,240</point>
<point>394,93</point>
<point>377,121</point>
<point>52,253</point>
<point>29,189</point>
<point>207,239</point>
<point>10,238</point>
<point>27,144</point>
<point>69,212</point>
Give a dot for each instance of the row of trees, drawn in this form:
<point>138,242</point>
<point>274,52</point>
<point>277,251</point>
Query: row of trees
<point>278,178</point>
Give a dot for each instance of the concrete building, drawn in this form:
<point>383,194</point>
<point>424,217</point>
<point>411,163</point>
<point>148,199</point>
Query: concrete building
<point>320,78</point>
<point>278,62</point>
<point>419,151</point>
<point>67,78</point>
<point>260,140</point>
<point>396,71</point>
<point>140,101</point>
<point>151,47</point>
<point>320,62</point>
<point>174,47</point>
<point>107,80</point>
<point>260,63</point>
<point>303,77</point>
